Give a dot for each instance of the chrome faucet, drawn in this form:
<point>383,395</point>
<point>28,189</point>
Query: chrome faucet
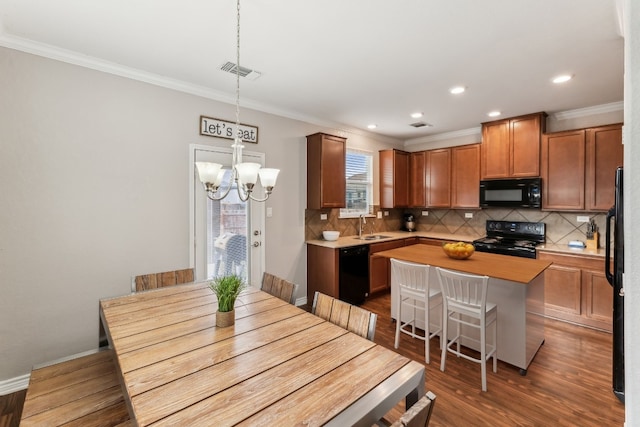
<point>362,221</point>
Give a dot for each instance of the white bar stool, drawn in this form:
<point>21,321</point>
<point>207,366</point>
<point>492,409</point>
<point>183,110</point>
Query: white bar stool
<point>465,303</point>
<point>415,293</point>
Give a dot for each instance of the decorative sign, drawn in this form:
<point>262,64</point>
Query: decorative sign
<point>210,126</point>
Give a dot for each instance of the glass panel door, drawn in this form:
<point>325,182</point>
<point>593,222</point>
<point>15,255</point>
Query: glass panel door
<point>227,233</point>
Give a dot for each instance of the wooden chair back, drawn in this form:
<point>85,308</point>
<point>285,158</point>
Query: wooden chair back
<point>159,280</point>
<point>419,414</point>
<point>279,287</point>
<point>350,317</point>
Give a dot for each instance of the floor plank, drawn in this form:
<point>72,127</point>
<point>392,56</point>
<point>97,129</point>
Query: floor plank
<point>568,383</point>
<point>11,408</point>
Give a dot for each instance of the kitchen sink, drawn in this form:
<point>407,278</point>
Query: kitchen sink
<point>373,237</point>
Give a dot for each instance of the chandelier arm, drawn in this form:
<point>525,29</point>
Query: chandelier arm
<point>260,200</point>
<point>211,194</point>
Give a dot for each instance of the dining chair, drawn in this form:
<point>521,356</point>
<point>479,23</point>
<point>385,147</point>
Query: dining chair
<point>415,294</point>
<point>159,280</point>
<point>350,317</point>
<point>279,287</point>
<point>465,303</point>
<point>416,416</point>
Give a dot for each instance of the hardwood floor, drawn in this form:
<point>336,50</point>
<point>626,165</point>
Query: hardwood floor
<point>11,408</point>
<point>567,384</point>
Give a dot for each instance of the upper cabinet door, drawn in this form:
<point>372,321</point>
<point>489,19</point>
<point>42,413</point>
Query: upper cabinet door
<point>439,178</point>
<point>525,135</point>
<point>495,149</point>
<point>326,175</point>
<point>563,170</point>
<point>465,176</point>
<point>511,147</point>
<point>394,179</point>
<point>604,156</point>
<point>417,180</point>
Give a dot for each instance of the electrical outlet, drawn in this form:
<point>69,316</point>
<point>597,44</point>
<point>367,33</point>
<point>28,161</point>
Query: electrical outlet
<point>379,214</point>
<point>425,213</point>
<point>468,214</point>
<point>323,217</point>
<point>269,212</point>
<point>582,218</point>
<point>386,213</point>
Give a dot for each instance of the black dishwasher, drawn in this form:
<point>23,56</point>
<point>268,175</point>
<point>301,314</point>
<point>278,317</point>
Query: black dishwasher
<point>354,274</point>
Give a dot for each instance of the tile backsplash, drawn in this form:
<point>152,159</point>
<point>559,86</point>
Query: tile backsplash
<point>561,227</point>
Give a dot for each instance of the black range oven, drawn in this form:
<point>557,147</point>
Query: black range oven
<point>512,238</point>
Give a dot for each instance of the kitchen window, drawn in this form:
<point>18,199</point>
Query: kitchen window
<point>359,174</point>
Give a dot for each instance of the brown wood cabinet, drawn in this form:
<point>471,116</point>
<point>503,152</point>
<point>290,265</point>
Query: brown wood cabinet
<point>511,147</point>
<point>578,168</point>
<point>576,290</point>
<point>380,267</point>
<point>465,176</point>
<point>604,155</point>
<point>323,271</point>
<point>394,179</point>
<point>439,178</point>
<point>563,168</point>
<point>326,178</point>
<point>417,180</point>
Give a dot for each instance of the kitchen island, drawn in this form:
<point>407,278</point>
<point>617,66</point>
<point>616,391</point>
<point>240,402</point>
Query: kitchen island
<point>516,286</point>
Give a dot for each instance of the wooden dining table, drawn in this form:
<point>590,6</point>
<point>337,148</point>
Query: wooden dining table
<point>278,365</point>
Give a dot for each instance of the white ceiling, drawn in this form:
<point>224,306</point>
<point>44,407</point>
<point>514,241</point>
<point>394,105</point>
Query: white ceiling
<point>345,62</point>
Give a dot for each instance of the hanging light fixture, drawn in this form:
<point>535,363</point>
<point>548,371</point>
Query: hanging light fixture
<point>245,175</point>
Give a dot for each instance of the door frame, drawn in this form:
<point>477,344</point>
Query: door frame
<point>256,220</point>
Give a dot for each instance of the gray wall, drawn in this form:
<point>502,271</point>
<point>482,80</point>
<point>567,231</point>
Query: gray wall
<point>94,179</point>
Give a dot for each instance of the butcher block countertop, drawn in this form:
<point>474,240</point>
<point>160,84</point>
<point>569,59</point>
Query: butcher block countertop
<point>505,267</point>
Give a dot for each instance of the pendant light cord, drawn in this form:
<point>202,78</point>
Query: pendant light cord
<point>238,71</point>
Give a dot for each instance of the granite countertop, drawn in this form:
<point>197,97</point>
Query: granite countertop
<point>346,241</point>
<point>566,250</point>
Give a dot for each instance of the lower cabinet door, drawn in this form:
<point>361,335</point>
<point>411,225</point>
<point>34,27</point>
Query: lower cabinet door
<point>598,298</point>
<point>562,291</point>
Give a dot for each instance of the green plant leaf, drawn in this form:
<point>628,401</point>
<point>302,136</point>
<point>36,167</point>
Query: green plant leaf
<point>227,289</point>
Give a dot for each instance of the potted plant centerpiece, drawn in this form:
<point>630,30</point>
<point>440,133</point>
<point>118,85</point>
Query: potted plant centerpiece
<point>227,289</point>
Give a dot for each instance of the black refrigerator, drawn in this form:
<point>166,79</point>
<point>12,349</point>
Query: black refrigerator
<point>615,222</point>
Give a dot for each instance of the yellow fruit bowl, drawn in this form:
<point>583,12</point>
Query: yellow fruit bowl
<point>458,250</point>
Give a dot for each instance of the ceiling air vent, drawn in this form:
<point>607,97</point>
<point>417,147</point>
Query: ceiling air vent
<point>247,73</point>
<point>421,124</point>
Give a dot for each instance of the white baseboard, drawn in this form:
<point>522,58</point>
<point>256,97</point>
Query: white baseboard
<point>301,301</point>
<point>14,384</point>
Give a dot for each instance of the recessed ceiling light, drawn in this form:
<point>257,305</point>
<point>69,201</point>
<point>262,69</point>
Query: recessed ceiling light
<point>417,115</point>
<point>561,79</point>
<point>494,113</point>
<point>372,126</point>
<point>457,89</point>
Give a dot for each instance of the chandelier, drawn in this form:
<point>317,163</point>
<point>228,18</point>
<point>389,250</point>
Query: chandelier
<point>245,175</point>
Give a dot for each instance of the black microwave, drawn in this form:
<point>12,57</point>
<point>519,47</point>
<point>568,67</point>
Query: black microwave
<point>511,193</point>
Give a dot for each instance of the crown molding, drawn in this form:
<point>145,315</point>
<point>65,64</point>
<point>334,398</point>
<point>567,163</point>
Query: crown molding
<point>589,111</point>
<point>71,57</point>
<point>444,136</point>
